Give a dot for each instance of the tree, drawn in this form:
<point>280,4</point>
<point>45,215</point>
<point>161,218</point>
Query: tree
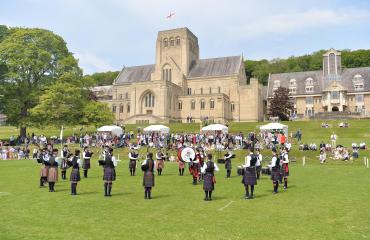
<point>281,105</point>
<point>34,59</point>
<point>97,113</point>
<point>104,78</point>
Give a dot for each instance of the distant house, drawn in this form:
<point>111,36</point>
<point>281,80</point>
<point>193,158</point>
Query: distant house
<point>2,119</point>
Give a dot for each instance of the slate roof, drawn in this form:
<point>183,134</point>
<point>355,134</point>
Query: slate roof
<point>319,82</point>
<point>204,68</point>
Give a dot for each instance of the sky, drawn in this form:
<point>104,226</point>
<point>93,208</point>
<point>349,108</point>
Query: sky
<point>109,34</point>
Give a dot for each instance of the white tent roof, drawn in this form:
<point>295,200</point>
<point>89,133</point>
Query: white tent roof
<point>115,130</point>
<point>273,126</point>
<point>157,128</point>
<point>215,127</point>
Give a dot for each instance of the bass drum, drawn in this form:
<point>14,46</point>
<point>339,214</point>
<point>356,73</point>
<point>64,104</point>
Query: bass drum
<point>185,154</point>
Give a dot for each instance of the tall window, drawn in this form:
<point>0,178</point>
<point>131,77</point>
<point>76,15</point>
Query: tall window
<point>212,104</point>
<point>165,42</point>
<point>126,95</point>
<point>128,108</point>
<point>210,90</point>
<point>202,104</point>
<point>309,100</point>
<point>114,109</point>
<point>121,108</point>
<point>149,100</point>
<point>219,89</point>
<point>334,95</point>
<point>359,98</point>
<point>167,74</point>
<point>120,96</point>
<point>180,105</point>
<point>177,41</point>
<point>189,91</point>
<point>172,42</point>
<point>192,104</point>
<point>201,90</point>
<point>232,106</point>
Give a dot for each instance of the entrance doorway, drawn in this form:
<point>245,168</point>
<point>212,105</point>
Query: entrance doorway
<point>335,109</point>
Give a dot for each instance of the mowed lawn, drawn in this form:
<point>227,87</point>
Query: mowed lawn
<point>328,201</point>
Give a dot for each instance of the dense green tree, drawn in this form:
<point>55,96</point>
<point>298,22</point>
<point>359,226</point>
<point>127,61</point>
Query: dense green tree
<point>281,105</point>
<point>34,59</point>
<point>104,78</point>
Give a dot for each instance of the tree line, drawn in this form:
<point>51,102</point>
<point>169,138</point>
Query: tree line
<point>41,83</point>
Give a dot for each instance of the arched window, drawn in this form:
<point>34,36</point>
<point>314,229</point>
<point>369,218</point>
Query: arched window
<point>232,107</point>
<point>309,81</point>
<point>180,105</point>
<point>167,74</point>
<point>121,108</point>
<point>192,104</point>
<point>165,42</point>
<point>172,42</point>
<point>149,100</point>
<point>114,108</point>
<point>212,104</point>
<point>128,108</point>
<point>358,82</point>
<point>202,104</point>
<point>177,41</point>
<point>292,82</point>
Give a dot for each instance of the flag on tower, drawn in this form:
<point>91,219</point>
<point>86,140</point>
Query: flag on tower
<point>171,15</point>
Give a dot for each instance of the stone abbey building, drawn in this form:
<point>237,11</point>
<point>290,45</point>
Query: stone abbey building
<point>332,89</point>
<point>180,86</point>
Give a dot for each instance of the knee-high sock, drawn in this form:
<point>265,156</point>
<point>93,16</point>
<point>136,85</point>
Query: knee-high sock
<point>41,182</point>
<point>158,171</point>
<point>49,186</point>
<point>182,172</point>
<point>210,194</point>
<point>145,193</point>
<point>247,191</point>
<point>85,173</point>
<point>109,188</point>
<point>72,188</point>
<point>286,182</point>
<point>206,193</point>
<point>149,192</point>
<point>252,190</point>
<point>75,188</point>
<point>105,189</point>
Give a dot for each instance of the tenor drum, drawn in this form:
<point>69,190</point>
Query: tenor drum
<point>185,154</point>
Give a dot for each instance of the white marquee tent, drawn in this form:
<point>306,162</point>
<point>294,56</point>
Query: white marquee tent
<point>157,128</point>
<point>114,130</point>
<point>215,128</point>
<point>275,126</point>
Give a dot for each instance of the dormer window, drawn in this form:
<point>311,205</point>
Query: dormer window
<point>292,82</point>
<point>292,90</point>
<point>309,81</point>
<point>165,42</point>
<point>358,82</point>
<point>309,89</point>
<point>276,84</point>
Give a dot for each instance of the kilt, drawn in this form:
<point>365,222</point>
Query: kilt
<point>208,184</point>
<point>249,176</point>
<point>228,165</point>
<point>284,171</point>
<point>181,164</point>
<point>109,174</point>
<point>75,175</point>
<point>86,164</point>
<point>160,164</point>
<point>275,174</point>
<point>44,171</point>
<point>53,174</point>
<point>132,164</point>
<point>148,179</point>
<point>258,168</point>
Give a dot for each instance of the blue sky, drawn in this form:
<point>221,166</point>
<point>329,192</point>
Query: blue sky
<point>105,35</point>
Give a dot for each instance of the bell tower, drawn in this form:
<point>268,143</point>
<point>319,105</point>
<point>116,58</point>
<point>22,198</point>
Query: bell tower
<point>332,65</point>
<point>177,51</point>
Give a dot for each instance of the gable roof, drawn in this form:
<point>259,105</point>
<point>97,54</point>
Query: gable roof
<point>216,67</point>
<point>134,74</point>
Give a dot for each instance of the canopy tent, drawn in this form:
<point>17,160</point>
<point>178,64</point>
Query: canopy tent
<point>275,126</point>
<point>215,127</point>
<point>157,128</point>
<point>114,130</point>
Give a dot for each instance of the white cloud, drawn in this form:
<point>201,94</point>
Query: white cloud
<point>92,63</point>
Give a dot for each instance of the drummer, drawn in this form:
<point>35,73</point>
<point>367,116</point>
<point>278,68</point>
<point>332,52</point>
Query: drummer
<point>194,166</point>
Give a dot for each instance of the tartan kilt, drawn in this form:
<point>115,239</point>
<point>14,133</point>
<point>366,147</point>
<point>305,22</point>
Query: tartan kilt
<point>132,164</point>
<point>86,164</point>
<point>160,164</point>
<point>109,174</point>
<point>44,171</point>
<point>53,174</point>
<point>208,184</point>
<point>275,174</point>
<point>284,173</point>
<point>148,179</point>
<point>258,169</point>
<point>75,175</point>
<point>228,165</point>
<point>249,176</point>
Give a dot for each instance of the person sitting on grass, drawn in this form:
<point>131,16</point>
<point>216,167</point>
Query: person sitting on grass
<point>322,156</point>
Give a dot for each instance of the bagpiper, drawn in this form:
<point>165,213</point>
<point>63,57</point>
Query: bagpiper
<point>228,166</point>
<point>133,157</point>
<point>208,169</point>
<point>275,171</point>
<point>53,170</point>
<point>86,155</point>
<point>148,179</point>
<point>75,163</point>
<point>65,153</point>
<point>249,176</point>
<point>160,161</point>
<point>109,164</point>
<point>284,170</point>
<point>258,164</point>
<point>43,158</point>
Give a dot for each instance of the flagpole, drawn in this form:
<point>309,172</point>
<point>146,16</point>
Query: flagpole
<point>61,142</point>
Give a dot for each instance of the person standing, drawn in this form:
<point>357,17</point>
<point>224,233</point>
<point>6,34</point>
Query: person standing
<point>75,177</point>
<point>160,161</point>
<point>275,171</point>
<point>181,167</point>
<point>208,169</point>
<point>64,164</point>
<point>133,156</point>
<point>53,170</point>
<point>228,166</point>
<point>43,158</point>
<point>333,139</point>
<point>249,176</point>
<point>194,167</point>
<point>148,178</point>
<point>258,164</point>
<point>86,155</point>
<point>109,163</point>
<point>284,171</point>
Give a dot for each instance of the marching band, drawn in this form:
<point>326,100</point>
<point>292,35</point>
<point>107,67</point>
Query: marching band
<point>201,167</point>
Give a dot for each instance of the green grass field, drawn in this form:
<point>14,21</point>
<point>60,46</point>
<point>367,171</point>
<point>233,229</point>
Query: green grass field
<point>328,201</point>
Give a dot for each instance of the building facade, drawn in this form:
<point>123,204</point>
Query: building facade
<point>180,86</point>
<point>333,89</point>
